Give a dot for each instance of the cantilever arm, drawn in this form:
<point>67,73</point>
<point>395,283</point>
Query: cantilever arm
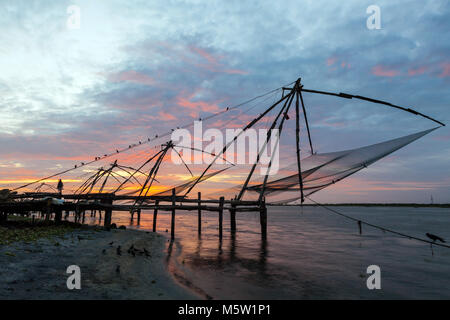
<point>351,96</point>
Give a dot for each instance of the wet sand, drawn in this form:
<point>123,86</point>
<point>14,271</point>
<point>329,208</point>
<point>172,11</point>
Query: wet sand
<point>37,270</point>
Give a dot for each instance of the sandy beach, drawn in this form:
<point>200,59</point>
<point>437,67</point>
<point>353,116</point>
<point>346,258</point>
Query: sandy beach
<point>37,270</point>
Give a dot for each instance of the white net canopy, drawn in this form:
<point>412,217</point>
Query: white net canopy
<point>321,170</point>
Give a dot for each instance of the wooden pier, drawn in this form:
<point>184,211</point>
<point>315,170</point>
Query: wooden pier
<point>45,204</point>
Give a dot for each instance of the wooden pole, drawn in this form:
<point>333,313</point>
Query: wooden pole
<point>139,216</point>
<point>172,225</point>
<point>199,213</point>
<point>107,221</point>
<point>233,218</point>
<point>221,216</point>
<point>297,146</point>
<point>263,219</point>
<point>58,212</point>
<point>108,214</point>
<point>248,126</point>
<point>49,209</point>
<point>58,215</point>
<point>155,215</point>
<point>268,136</point>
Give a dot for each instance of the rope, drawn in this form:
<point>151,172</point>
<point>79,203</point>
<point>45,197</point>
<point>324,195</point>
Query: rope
<point>376,226</point>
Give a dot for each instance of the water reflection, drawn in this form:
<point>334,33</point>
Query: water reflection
<point>307,255</point>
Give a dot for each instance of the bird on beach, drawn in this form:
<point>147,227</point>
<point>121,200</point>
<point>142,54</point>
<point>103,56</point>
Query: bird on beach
<point>434,237</point>
<point>111,243</point>
<point>119,251</point>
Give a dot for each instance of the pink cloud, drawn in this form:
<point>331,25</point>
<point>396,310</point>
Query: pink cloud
<point>381,71</point>
<point>416,72</point>
<point>132,76</point>
<point>331,61</point>
<point>196,105</point>
<point>166,116</point>
<point>213,63</point>
<point>445,70</point>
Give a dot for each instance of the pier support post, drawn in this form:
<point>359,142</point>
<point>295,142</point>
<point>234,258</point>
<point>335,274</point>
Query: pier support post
<point>3,217</point>
<point>263,219</point>
<point>233,217</point>
<point>49,210</point>
<point>172,225</point>
<point>76,214</point>
<point>108,214</point>
<point>84,216</point>
<point>155,215</point>
<point>139,216</point>
<point>58,215</point>
<point>107,222</point>
<point>199,213</point>
<point>222,199</point>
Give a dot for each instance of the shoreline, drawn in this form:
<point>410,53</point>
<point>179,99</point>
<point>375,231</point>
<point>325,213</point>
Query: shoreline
<point>37,270</point>
<point>408,205</point>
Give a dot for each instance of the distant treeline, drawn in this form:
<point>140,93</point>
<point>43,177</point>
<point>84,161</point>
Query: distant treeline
<point>434,205</point>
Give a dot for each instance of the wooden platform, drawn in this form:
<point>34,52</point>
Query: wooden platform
<point>79,204</point>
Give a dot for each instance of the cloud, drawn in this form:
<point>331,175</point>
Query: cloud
<point>382,71</point>
<point>135,69</point>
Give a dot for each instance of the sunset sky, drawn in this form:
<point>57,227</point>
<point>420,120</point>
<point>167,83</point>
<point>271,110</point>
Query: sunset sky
<point>134,69</point>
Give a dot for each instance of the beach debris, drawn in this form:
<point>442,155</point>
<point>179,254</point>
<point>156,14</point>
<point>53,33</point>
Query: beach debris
<point>147,253</point>
<point>119,251</point>
<point>434,237</point>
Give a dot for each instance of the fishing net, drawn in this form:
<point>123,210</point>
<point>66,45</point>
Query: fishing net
<point>321,170</point>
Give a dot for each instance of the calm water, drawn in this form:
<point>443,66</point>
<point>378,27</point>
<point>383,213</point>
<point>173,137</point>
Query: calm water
<point>311,253</point>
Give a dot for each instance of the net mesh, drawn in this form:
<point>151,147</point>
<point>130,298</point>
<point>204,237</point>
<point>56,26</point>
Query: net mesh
<point>324,169</point>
